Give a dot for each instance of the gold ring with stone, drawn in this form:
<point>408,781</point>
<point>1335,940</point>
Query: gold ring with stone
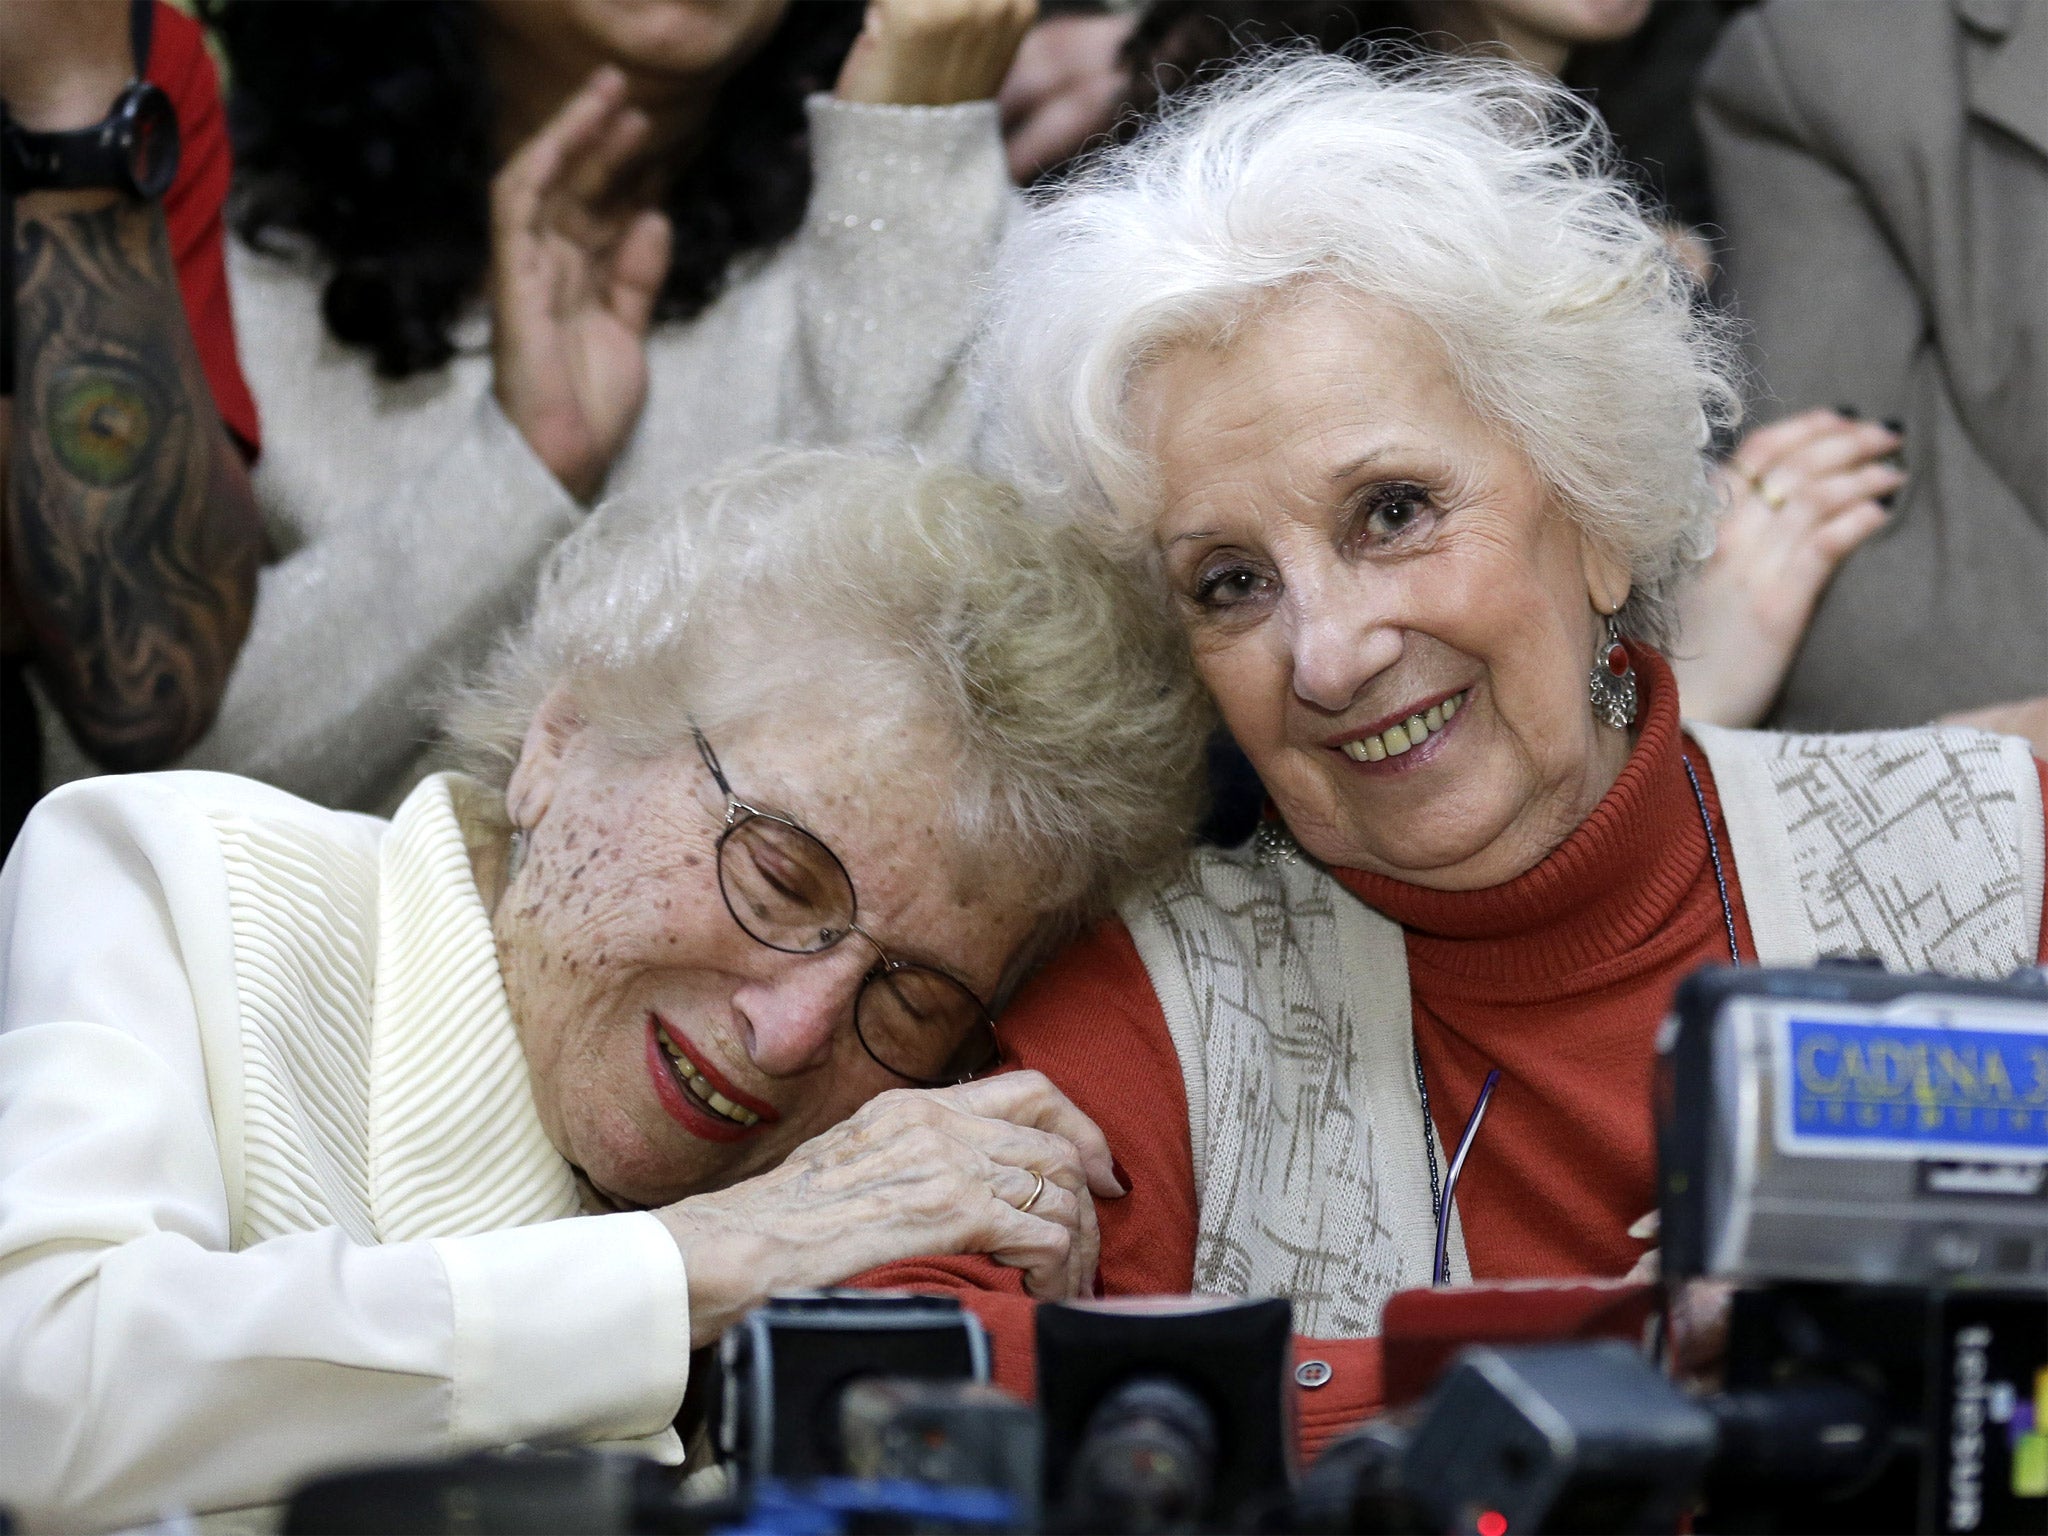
<point>1775,500</point>
<point>1036,1190</point>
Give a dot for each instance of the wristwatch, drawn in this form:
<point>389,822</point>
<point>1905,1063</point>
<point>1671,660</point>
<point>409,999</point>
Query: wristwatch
<point>133,149</point>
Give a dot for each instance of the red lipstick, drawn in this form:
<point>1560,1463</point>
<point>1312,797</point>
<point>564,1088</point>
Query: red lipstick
<point>768,1112</point>
<point>681,1105</point>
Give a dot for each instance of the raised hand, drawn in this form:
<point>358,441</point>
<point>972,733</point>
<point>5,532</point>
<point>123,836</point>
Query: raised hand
<point>575,271</point>
<point>933,53</point>
<point>1802,493</point>
<point>915,1172</point>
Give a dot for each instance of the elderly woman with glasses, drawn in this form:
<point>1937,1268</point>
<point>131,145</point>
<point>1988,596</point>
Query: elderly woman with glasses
<point>777,796</point>
<point>1394,391</point>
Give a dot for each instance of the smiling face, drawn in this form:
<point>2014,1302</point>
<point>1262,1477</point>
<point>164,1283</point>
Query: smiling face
<point>1353,547</point>
<point>654,1028</point>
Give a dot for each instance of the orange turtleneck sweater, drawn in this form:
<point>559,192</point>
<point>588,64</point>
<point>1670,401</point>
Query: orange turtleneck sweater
<point>1559,977</point>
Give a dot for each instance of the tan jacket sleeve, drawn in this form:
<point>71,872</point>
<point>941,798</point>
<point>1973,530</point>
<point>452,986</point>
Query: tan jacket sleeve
<point>1834,316</point>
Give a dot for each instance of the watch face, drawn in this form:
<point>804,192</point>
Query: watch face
<point>148,137</point>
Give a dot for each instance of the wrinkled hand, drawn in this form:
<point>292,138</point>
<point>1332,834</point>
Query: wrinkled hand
<point>1066,87</point>
<point>933,53</point>
<point>915,1172</point>
<point>574,276</point>
<point>2023,717</point>
<point>1802,493</point>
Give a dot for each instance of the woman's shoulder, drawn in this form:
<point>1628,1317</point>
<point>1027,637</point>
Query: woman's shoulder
<point>200,792</point>
<point>1098,974</point>
<point>1927,843</point>
<point>1953,752</point>
<point>338,436</point>
<point>1210,922</point>
<point>1242,891</point>
<point>165,815</point>
<point>161,873</point>
<point>1091,1022</point>
<point>275,289</point>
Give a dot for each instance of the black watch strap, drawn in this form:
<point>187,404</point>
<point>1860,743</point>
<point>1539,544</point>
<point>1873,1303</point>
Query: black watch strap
<point>141,36</point>
<point>141,30</point>
<point>133,149</point>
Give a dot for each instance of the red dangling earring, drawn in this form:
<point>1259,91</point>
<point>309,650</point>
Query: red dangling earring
<point>1613,681</point>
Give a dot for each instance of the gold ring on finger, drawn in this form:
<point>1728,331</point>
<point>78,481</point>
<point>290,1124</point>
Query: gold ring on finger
<point>1036,1190</point>
<point>1775,500</point>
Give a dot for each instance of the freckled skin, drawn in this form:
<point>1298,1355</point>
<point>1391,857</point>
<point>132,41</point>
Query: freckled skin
<point>1368,541</point>
<point>588,946</point>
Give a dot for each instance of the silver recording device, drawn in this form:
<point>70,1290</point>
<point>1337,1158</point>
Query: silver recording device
<point>1842,1124</point>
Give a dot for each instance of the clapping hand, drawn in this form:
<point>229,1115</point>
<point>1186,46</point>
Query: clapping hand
<point>1802,493</point>
<point>575,271</point>
<point>933,53</point>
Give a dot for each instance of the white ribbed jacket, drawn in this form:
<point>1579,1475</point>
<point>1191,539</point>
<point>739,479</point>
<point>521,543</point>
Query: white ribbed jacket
<point>273,1193</point>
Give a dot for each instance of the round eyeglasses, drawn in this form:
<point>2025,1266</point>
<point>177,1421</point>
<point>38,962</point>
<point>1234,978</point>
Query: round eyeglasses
<point>787,890</point>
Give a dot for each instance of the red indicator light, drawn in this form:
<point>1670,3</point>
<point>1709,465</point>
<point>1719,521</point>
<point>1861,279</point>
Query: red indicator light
<point>1491,1523</point>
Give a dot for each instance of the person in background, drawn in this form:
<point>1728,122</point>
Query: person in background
<point>1404,404</point>
<point>1885,193</point>
<point>1799,494</point>
<point>129,539</point>
<point>499,258</point>
<point>1070,83</point>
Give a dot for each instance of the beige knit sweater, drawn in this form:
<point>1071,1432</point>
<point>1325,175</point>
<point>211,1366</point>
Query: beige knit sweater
<point>409,519</point>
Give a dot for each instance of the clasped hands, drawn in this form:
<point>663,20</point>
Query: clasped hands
<point>1004,1166</point>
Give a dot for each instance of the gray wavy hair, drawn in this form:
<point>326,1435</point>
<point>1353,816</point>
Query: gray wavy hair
<point>1471,196</point>
<point>1036,680</point>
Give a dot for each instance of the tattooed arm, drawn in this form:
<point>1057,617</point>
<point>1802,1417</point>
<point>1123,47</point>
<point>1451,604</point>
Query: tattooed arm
<point>131,534</point>
<point>129,540</point>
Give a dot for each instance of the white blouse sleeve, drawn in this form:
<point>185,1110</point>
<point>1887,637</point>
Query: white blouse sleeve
<point>143,1366</point>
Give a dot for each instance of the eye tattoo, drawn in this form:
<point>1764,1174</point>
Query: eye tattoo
<point>101,425</point>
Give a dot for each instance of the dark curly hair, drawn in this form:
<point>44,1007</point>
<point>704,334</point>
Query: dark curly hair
<point>1640,84</point>
<point>365,127</point>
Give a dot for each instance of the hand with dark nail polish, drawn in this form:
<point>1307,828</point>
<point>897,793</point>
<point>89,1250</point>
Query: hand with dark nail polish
<point>1802,494</point>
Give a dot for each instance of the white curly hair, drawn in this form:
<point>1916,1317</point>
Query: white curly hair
<point>1032,683</point>
<point>1472,196</point>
